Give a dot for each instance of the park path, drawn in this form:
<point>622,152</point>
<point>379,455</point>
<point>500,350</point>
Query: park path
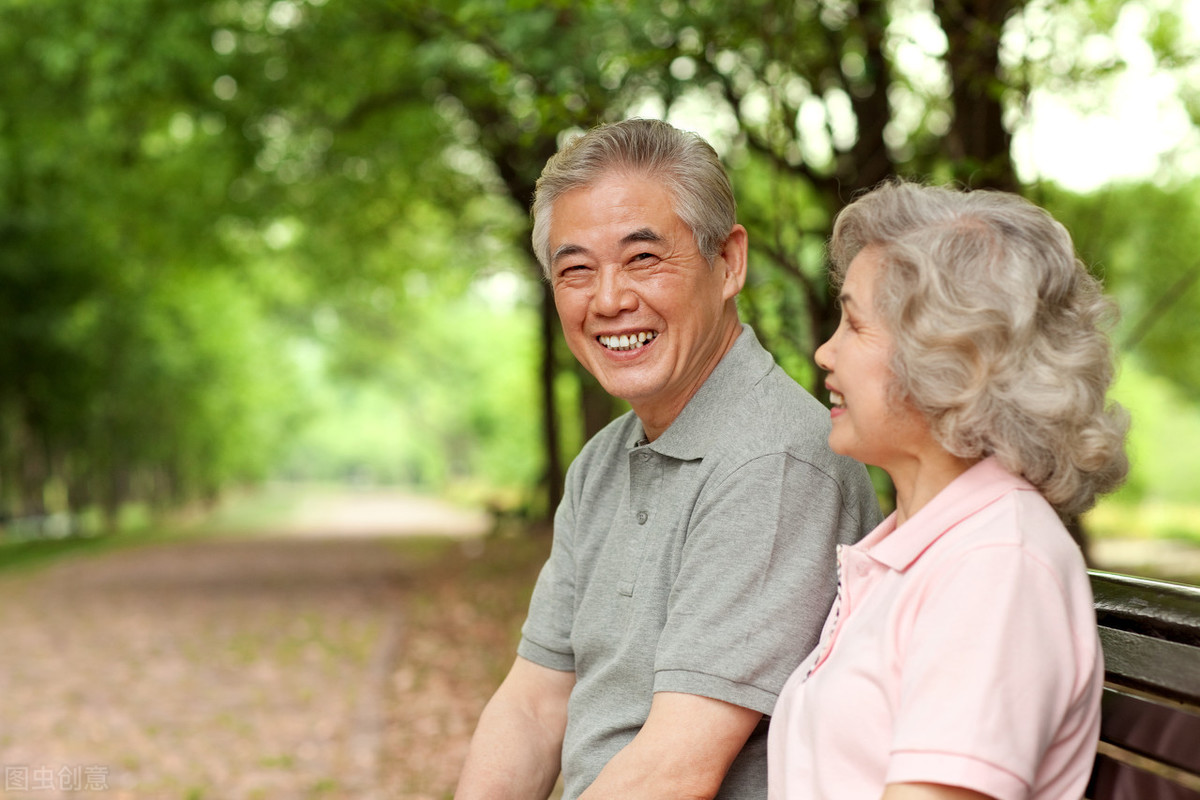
<point>314,659</point>
<point>214,669</point>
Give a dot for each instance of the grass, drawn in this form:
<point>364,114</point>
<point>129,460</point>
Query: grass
<point>241,511</point>
<point>31,554</point>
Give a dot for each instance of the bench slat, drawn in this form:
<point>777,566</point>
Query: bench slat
<point>1150,722</point>
<point>1158,609</point>
<point>1152,665</point>
<point>1166,734</point>
<point>1122,776</point>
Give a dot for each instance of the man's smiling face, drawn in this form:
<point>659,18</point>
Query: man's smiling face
<point>641,308</point>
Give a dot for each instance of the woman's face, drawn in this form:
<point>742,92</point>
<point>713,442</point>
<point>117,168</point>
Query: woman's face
<point>868,423</point>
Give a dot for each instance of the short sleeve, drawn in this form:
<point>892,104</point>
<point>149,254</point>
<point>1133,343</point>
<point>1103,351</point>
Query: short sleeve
<point>546,634</point>
<point>991,666</point>
<point>757,578</point>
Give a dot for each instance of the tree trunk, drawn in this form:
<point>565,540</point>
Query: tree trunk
<point>598,406</point>
<point>553,479</point>
<point>33,471</point>
<point>869,161</point>
<point>978,142</point>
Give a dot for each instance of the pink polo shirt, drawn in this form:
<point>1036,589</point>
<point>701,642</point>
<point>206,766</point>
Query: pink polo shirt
<point>962,650</point>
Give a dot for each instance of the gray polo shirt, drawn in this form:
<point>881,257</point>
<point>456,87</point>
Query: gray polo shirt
<point>703,562</point>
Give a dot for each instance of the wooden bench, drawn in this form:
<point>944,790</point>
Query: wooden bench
<point>1150,724</point>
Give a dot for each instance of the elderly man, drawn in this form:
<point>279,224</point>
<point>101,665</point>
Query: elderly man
<point>694,551</point>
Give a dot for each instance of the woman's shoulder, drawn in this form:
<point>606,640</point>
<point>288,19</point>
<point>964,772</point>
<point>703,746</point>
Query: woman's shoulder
<point>1017,525</point>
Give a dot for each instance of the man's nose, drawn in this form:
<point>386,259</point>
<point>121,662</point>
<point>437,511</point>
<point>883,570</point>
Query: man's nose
<point>614,293</point>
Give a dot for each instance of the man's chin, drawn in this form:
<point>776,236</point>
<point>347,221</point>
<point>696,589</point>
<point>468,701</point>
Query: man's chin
<point>622,387</point>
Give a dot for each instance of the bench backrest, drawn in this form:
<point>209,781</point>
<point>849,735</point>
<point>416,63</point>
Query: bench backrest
<point>1150,723</point>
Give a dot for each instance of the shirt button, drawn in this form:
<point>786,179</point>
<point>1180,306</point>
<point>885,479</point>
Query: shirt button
<point>642,516</point>
<point>645,456</point>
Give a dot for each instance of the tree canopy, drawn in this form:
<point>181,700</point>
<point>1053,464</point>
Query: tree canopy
<point>218,219</point>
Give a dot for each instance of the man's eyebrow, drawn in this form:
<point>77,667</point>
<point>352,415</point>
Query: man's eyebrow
<point>565,250</point>
<point>642,235</point>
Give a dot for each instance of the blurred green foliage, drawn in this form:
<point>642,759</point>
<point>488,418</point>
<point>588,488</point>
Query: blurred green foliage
<point>242,238</point>
<point>1164,440</point>
<point>1140,238</point>
<point>454,405</point>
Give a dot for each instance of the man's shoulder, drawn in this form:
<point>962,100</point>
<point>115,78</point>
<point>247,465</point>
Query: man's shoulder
<point>777,413</point>
<point>779,423</point>
<point>755,394</point>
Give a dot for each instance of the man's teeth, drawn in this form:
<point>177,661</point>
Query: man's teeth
<point>836,399</point>
<point>627,341</point>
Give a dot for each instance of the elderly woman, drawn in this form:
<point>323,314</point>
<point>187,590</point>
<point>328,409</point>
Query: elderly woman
<point>960,659</point>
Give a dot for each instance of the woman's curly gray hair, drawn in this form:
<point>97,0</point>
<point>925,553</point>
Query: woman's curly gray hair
<point>1000,332</point>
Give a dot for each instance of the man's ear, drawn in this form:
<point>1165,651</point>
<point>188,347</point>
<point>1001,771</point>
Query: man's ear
<point>733,257</point>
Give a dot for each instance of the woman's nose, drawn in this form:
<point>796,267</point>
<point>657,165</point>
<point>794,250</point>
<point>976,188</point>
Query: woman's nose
<point>823,356</point>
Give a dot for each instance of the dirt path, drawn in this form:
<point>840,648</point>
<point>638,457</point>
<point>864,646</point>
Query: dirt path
<point>324,660</point>
<point>258,667</point>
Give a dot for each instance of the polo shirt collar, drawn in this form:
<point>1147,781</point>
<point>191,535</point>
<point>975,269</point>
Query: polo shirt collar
<point>978,487</point>
<point>701,423</point>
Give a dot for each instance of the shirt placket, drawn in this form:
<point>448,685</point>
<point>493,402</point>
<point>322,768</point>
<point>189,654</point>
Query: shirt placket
<point>835,614</point>
<point>645,478</point>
